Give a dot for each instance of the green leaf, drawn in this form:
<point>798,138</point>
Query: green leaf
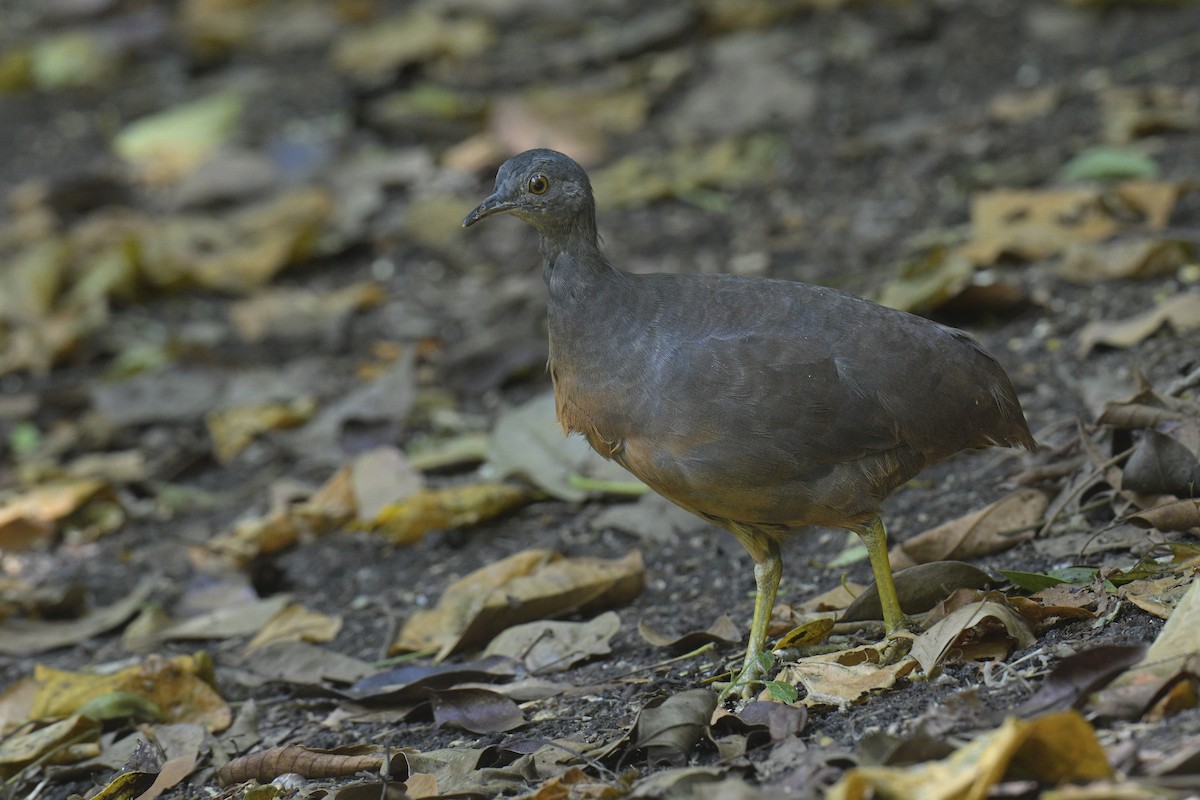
<point>1109,163</point>
<point>1030,581</point>
<point>782,692</point>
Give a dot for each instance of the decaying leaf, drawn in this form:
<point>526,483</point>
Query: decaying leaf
<point>28,637</point>
<point>295,623</point>
<point>32,517</point>
<point>1129,112</point>
<point>1181,312</point>
<point>844,677</point>
<point>551,646</point>
<point>463,506</point>
<point>167,145</point>
<point>1180,515</point>
<point>182,688</point>
<point>1075,677</point>
<point>371,53</point>
<point>1034,224</point>
<point>530,585</point>
<point>528,442</point>
<point>299,313</point>
<point>722,629</point>
<point>476,710</point>
<point>1161,464</point>
<point>997,527</point>
<point>666,729</point>
<point>967,629</point>
<point>266,765</point>
<point>1052,749</point>
<point>1175,651</point>
<point>233,429</point>
<point>1136,259</point>
<point>65,741</point>
<point>919,588</point>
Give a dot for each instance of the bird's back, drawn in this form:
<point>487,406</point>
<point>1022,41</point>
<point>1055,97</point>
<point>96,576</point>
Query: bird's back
<point>772,401</point>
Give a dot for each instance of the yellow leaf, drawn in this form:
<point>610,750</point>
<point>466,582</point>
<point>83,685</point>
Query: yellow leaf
<point>180,687</point>
<point>295,623</point>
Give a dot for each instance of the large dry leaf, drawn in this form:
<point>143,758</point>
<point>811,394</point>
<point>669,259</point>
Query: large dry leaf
<point>919,588</point>
<point>301,313</point>
<point>1137,259</point>
<point>232,429</point>
<point>476,710</point>
<point>372,53</point>
<point>237,619</point>
<point>1176,650</point>
<point>1076,676</point>
<point>551,646</point>
<point>31,518</point>
<point>165,146</point>
<point>295,623</point>
<point>984,617</point>
<point>1033,224</point>
<point>463,506</point>
<point>844,677</point>
<point>530,585</point>
<point>997,527</point>
<point>528,442</point>
<point>68,740</point>
<point>1053,749</point>
<point>1181,312</point>
<point>180,688</point>
<point>667,729</point>
<point>1180,515</point>
<point>28,637</point>
<point>1129,112</point>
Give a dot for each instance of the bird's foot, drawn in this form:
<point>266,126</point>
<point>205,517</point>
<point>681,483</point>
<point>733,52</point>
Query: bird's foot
<point>747,682</point>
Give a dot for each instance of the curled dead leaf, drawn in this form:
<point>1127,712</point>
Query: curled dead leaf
<point>266,765</point>
<point>997,527</point>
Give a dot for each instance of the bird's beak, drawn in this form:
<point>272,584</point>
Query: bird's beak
<point>495,204</point>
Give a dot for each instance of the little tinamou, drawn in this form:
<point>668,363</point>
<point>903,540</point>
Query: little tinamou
<point>761,405</point>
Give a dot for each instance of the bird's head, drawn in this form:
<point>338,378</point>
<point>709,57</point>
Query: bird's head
<point>543,187</point>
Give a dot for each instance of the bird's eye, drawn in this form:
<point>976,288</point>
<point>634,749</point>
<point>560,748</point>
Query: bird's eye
<point>539,183</point>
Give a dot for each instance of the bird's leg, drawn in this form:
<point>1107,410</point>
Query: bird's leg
<point>875,538</point>
<point>768,569</point>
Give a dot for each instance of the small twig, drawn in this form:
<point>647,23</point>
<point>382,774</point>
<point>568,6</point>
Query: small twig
<point>1080,489</point>
<point>698,651</point>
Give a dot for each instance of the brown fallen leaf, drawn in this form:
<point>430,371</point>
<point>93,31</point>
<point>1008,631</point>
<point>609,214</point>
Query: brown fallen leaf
<point>666,729</point>
<point>530,585</point>
<point>1175,651</point>
<point>476,710</point>
<point>182,689</point>
<point>20,637</point>
<point>295,623</point>
<point>1138,259</point>
<point>428,510</point>
<point>31,518</point>
<point>64,741</point>
<point>845,677</point>
<point>233,429</point>
<point>1180,515</point>
<point>1181,312</point>
<point>1035,223</point>
<point>266,765</point>
<point>299,313</point>
<point>997,527</point>
<point>967,628</point>
<point>1129,112</point>
<point>1052,749</point>
<point>551,645</point>
<point>722,629</point>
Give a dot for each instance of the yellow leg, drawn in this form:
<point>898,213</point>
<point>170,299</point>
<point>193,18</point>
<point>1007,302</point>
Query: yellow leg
<point>875,538</point>
<point>768,569</point>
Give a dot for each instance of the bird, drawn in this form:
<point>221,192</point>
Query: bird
<point>762,405</point>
